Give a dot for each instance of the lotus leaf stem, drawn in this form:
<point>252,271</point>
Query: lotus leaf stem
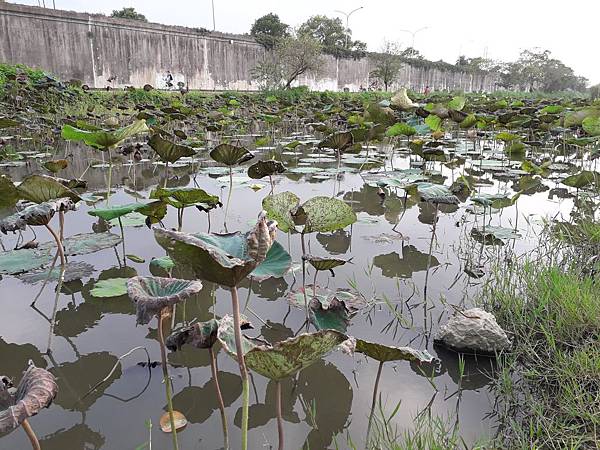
<point>279,416</point>
<point>228,197</point>
<point>304,275</point>
<point>167,379</point>
<point>235,303</point>
<point>374,401</point>
<point>35,444</point>
<point>213,368</point>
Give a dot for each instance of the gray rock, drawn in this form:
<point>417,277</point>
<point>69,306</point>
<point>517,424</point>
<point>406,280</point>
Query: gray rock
<point>473,330</point>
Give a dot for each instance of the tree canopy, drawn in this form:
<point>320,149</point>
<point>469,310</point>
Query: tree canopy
<point>333,37</point>
<point>129,13</point>
<point>269,29</point>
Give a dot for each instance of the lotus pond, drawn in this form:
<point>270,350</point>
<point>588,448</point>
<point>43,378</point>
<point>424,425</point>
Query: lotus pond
<point>383,219</point>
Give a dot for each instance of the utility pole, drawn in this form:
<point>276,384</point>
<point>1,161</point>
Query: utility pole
<point>347,20</point>
<point>413,34</point>
<point>213,13</point>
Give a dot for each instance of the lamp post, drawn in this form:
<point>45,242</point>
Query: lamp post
<point>347,20</point>
<point>413,34</point>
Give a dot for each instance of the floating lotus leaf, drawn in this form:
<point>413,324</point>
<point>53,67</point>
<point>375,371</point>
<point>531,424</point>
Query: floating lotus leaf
<point>436,193</point>
<point>85,243</point>
<point>199,335</point>
<point>266,168</point>
<point>230,155</point>
<point>285,358</point>
<point>279,207</point>
<point>36,390</point>
<point>36,215</point>
<point>320,263</point>
<point>582,179</point>
<point>112,287</point>
<point>352,300</point>
<point>324,214</point>
<point>169,151</point>
<point>334,317</point>
<point>384,353</point>
<point>225,259</point>
<point>56,165</point>
<point>41,188</point>
<point>152,294</point>
<point>187,196</point>
<point>400,129</point>
<point>495,232</point>
<point>74,270</point>
<point>102,139</point>
<point>338,141</point>
<point>178,419</point>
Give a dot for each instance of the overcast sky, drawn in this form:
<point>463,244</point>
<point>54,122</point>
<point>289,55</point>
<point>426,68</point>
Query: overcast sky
<point>499,30</point>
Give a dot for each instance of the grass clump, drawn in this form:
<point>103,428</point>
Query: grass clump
<point>549,385</point>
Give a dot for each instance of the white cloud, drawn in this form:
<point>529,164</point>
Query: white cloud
<point>569,30</point>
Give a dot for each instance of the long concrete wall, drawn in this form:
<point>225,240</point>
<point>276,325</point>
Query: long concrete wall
<point>97,49</point>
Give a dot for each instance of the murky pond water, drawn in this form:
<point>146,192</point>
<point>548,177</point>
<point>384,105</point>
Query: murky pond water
<point>411,292</point>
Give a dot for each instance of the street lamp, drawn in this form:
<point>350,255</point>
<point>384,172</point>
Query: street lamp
<point>414,33</point>
<point>347,20</point>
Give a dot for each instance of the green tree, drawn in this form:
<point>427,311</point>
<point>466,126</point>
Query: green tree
<point>129,13</point>
<point>333,37</point>
<point>292,56</point>
<point>268,29</point>
<point>387,64</point>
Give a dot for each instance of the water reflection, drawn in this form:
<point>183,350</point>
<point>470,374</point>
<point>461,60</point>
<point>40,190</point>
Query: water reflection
<point>15,358</point>
<point>394,265</point>
<point>79,436</point>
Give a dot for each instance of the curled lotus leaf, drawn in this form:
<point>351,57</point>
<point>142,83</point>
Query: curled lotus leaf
<point>188,196</point>
<point>179,421</point>
<point>56,165</point>
<point>42,188</point>
<point>103,139</point>
<point>266,168</point>
<point>282,359</point>
<point>9,195</point>
<point>276,264</point>
<point>436,193</point>
<point>199,335</point>
<point>279,207</point>
<point>36,390</point>
<point>384,353</point>
<point>230,155</point>
<point>352,300</point>
<point>36,215</point>
<point>320,263</point>
<point>152,294</point>
<point>401,100</point>
<point>324,214</point>
<point>339,141</point>
<point>333,317</point>
<point>169,151</point>
<point>225,259</point>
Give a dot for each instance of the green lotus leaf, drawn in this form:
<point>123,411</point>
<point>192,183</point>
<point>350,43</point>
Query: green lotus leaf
<point>324,214</point>
<point>582,179</point>
<point>495,232</point>
<point>35,215</point>
<point>457,103</point>
<point>169,151</point>
<point>112,287</point>
<point>400,129</point>
<point>320,263</point>
<point>18,261</point>
<point>285,358</point>
<point>266,168</point>
<point>199,335</point>
<point>152,294</point>
<point>9,195</point>
<point>591,125</point>
<point>552,109</point>
<point>469,121</point>
<point>135,258</point>
<point>516,148</point>
<point>507,137</point>
<point>276,265</point>
<point>279,207</point>
<point>385,353</point>
<point>133,219</point>
<point>5,122</point>
<point>333,317</point>
<point>575,118</point>
<point>224,259</point>
<point>42,188</point>
<point>114,212</point>
<point>230,155</point>
<point>56,165</point>
<point>436,193</point>
<point>338,141</point>
<point>184,197</point>
<point>352,300</point>
<point>433,122</point>
<point>161,267</point>
<point>102,139</point>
